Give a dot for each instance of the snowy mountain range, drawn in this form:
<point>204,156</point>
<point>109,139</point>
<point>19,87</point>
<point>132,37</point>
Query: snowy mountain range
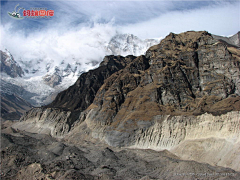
<point>38,80</point>
<point>128,44</point>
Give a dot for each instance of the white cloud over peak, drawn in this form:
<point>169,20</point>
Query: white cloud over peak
<point>79,45</point>
<point>81,28</point>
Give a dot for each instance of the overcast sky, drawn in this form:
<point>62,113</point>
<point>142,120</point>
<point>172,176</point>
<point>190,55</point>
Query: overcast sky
<point>77,23</point>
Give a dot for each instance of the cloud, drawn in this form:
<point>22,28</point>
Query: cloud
<point>73,13</point>
<point>222,19</point>
<point>78,45</point>
<point>80,29</point>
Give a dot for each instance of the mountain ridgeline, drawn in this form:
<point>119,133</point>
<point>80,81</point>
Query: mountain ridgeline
<point>160,100</point>
<point>187,73</point>
<point>82,93</point>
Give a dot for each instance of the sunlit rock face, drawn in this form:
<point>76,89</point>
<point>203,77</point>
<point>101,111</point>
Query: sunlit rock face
<point>203,138</point>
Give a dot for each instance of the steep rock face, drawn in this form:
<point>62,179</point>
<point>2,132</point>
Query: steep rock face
<point>194,65</point>
<point>9,65</point>
<point>52,121</point>
<point>81,94</point>
<point>236,39</point>
<point>189,73</point>
<point>204,138</point>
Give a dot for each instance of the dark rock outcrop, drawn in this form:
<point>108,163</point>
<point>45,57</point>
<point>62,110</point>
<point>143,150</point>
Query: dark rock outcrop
<point>189,73</point>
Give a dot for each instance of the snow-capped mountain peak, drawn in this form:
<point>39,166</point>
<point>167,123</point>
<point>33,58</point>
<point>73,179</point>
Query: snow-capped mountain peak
<point>125,44</point>
<point>9,65</point>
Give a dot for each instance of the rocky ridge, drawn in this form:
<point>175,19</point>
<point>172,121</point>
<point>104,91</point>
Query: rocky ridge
<point>188,83</point>
<point>9,65</point>
<point>232,40</point>
<point>82,93</point>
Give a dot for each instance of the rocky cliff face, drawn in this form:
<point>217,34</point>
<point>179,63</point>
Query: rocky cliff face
<point>184,89</point>
<point>54,121</point>
<point>204,138</point>
<point>190,73</point>
<point>235,39</point>
<point>82,93</point>
<point>9,65</point>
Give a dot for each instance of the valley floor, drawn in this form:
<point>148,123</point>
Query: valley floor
<point>29,156</point>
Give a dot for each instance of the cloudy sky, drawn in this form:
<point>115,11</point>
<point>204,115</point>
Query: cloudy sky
<point>78,26</point>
